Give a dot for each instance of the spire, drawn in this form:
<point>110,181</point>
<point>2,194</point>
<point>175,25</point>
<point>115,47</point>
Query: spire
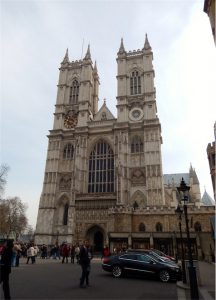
<point>88,54</point>
<point>121,49</point>
<point>95,67</point>
<point>66,58</point>
<point>193,175</point>
<point>146,44</point>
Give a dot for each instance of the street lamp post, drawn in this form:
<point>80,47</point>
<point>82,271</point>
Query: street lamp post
<point>179,213</point>
<point>183,190</point>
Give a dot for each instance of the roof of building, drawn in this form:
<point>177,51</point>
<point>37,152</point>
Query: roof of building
<point>207,200</point>
<point>175,179</point>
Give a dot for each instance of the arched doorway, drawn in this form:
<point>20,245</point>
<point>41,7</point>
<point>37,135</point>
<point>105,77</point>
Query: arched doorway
<point>98,241</point>
<point>95,234</point>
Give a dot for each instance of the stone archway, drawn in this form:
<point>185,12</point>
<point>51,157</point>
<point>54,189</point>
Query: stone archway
<point>95,234</point>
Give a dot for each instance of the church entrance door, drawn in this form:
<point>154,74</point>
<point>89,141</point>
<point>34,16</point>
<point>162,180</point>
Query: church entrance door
<point>98,241</point>
<point>95,235</point>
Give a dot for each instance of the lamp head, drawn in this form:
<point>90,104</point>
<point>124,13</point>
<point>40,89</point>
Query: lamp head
<point>183,190</point>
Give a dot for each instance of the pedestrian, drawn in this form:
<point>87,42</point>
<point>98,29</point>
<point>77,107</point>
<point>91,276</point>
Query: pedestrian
<point>65,252</point>
<point>85,262</point>
<point>5,267</point>
<point>43,251</point>
<point>72,253</point>
<point>105,252</point>
<point>77,252</point>
<point>36,250</point>
<point>18,249</point>
<point>30,254</point>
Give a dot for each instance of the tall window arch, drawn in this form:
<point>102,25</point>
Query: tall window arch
<point>142,227</point>
<point>68,151</point>
<point>136,144</point>
<point>135,83</point>
<point>197,227</point>
<point>74,92</point>
<point>159,227</point>
<point>65,214</point>
<point>101,169</point>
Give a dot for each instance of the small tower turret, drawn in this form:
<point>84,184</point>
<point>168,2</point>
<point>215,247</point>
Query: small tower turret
<point>66,58</point>
<point>88,54</point>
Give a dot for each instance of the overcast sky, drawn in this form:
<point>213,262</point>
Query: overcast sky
<point>34,38</point>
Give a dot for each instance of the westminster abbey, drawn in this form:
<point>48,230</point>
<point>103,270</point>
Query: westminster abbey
<point>103,177</point>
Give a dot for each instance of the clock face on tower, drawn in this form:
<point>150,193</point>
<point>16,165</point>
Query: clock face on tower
<point>70,121</point>
<point>136,114</point>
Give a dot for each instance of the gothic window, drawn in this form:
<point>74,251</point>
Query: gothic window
<point>135,83</point>
<point>101,169</point>
<point>197,227</point>
<point>159,227</point>
<point>136,145</point>
<point>74,92</point>
<point>65,214</point>
<point>142,227</point>
<point>68,151</point>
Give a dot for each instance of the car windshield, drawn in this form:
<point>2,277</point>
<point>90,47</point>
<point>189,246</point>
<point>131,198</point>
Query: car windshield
<point>155,255</point>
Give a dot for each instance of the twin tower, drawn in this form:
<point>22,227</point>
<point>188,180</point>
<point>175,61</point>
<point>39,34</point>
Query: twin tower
<point>98,164</point>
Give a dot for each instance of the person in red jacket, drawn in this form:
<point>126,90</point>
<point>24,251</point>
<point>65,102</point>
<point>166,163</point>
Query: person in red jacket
<point>65,252</point>
<point>105,252</point>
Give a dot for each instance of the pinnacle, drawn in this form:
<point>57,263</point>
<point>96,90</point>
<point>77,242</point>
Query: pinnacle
<point>121,49</point>
<point>146,44</point>
<point>66,58</point>
<point>88,54</point>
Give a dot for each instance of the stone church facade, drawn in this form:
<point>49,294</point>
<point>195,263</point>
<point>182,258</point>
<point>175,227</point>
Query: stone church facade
<point>103,177</point>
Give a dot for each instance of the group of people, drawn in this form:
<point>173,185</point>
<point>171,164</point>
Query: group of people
<point>11,251</point>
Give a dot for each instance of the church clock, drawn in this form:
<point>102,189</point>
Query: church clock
<point>136,114</point>
<point>70,121</point>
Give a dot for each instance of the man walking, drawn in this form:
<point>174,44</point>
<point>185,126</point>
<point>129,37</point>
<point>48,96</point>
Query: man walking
<point>85,260</point>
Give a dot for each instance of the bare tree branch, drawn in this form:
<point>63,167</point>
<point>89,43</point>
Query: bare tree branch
<point>3,175</point>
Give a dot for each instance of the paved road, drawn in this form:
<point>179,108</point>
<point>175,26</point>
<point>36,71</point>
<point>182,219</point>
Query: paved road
<point>53,280</point>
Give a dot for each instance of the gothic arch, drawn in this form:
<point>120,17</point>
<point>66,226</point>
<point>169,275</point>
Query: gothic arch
<point>135,68</point>
<point>197,227</point>
<point>95,141</point>
<point>96,235</point>
<point>159,227</point>
<point>139,198</point>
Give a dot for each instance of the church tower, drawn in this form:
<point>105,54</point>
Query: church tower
<point>137,114</point>
<point>76,105</point>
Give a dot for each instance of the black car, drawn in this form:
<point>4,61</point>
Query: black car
<point>141,264</point>
<point>154,254</point>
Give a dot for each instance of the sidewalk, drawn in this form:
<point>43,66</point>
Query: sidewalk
<point>206,286</point>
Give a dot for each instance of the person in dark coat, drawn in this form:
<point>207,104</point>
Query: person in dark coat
<point>65,252</point>
<point>85,257</point>
<point>5,263</point>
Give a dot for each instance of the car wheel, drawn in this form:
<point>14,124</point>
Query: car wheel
<point>117,271</point>
<point>164,276</point>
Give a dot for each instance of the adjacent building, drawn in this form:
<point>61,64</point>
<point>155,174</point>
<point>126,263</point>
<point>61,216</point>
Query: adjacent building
<point>210,10</point>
